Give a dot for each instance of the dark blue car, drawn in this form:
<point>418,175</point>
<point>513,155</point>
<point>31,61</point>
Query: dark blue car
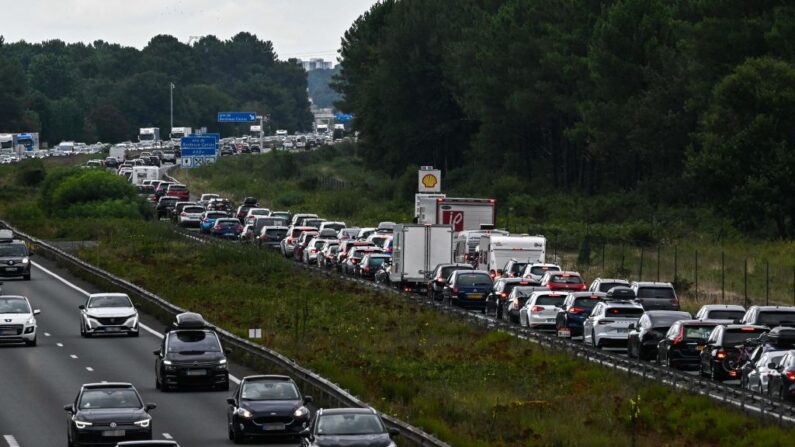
<point>468,288</point>
<point>575,310</point>
<point>227,228</point>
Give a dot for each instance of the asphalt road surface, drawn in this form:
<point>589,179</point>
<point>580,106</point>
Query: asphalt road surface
<point>36,382</point>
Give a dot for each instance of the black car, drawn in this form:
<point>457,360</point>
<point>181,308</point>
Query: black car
<point>440,275</point>
<point>191,355</point>
<point>682,345</point>
<point>349,427</point>
<point>651,328</point>
<point>575,310</point>
<point>164,206</point>
<point>722,349</point>
<point>498,297</point>
<point>371,263</point>
<point>468,288</point>
<point>267,406</point>
<point>159,443</point>
<point>14,256</point>
<point>107,413</point>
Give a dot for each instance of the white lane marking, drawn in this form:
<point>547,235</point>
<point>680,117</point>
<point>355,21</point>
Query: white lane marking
<point>88,368</point>
<point>72,356</point>
<point>60,345</point>
<point>46,334</point>
<point>167,436</point>
<point>234,379</point>
<point>12,442</point>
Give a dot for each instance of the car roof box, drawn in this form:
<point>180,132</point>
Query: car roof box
<point>6,235</point>
<point>250,201</point>
<point>782,335</point>
<point>190,320</point>
<point>620,293</point>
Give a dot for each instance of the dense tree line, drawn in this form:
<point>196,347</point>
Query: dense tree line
<point>103,91</point>
<point>687,101</point>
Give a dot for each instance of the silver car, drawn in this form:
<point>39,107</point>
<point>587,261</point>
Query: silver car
<point>108,313</point>
<point>609,323</point>
<point>757,378</point>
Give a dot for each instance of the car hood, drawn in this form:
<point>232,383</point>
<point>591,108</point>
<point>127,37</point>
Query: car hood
<point>281,407</point>
<point>117,415</point>
<point>15,318</point>
<point>377,440</point>
<point>110,311</point>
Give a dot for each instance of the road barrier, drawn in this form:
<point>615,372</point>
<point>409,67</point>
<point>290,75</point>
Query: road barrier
<point>243,351</point>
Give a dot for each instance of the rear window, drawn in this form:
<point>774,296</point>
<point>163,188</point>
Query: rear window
<point>550,300</point>
<point>193,209</point>
<point>447,271</point>
<point>377,260</point>
<point>586,303</point>
<point>605,286</point>
<point>276,232</point>
<point>777,318</point>
<point>733,337</point>
<point>628,312</point>
<point>538,271</point>
<point>336,227</point>
<point>698,332</point>
<point>566,279</point>
<point>725,314</point>
<point>177,188</point>
<point>217,215</point>
<point>227,223</point>
<point>656,292</point>
<point>469,279</point>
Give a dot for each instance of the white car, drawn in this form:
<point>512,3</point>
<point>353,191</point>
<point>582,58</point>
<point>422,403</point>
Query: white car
<point>191,216</point>
<point>725,313</point>
<point>17,320</point>
<point>541,310</point>
<point>609,323</point>
<point>757,378</point>
<point>254,212</point>
<point>534,272</point>
<point>204,200</point>
<point>108,313</point>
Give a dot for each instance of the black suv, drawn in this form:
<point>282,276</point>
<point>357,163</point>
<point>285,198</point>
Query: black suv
<point>14,256</point>
<point>267,406</point>
<point>191,355</point>
<point>107,413</point>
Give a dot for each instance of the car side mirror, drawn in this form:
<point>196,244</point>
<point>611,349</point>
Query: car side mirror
<point>81,307</point>
<point>156,352</point>
<point>36,311</point>
<point>394,432</point>
<point>772,365</point>
<point>150,406</point>
<point>308,400</point>
<point>69,408</point>
<point>230,401</point>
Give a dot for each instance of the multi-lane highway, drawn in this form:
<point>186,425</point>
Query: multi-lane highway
<point>36,382</point>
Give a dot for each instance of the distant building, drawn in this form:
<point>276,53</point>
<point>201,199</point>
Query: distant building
<point>316,64</point>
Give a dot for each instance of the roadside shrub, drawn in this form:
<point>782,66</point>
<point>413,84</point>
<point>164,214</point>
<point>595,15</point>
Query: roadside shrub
<point>288,199</point>
<point>31,172</point>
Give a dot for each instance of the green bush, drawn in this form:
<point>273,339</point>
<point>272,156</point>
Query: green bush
<point>31,172</point>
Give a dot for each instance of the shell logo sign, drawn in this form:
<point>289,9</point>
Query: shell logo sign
<point>430,180</point>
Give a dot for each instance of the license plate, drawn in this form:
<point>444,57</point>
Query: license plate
<point>699,348</point>
<point>621,330</point>
<point>8,332</point>
<point>196,372</point>
<point>114,433</point>
<point>273,426</point>
<point>11,269</point>
<point>113,329</point>
<point>474,295</point>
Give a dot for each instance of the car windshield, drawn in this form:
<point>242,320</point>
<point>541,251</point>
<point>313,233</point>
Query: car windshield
<point>13,250</point>
<point>777,318</point>
<point>538,270</point>
<point>605,286</point>
<point>109,301</point>
<point>698,332</point>
<point>550,300</point>
<point>656,292</point>
<point>447,271</point>
<point>565,279</point>
<point>109,398</point>
<point>349,424</point>
<point>188,342</point>
<point>725,314</point>
<point>469,279</point>
<point>14,306</point>
<point>625,312</point>
<point>269,390</point>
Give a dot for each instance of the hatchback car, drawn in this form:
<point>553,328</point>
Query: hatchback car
<point>565,281</point>
<point>608,324</point>
<point>208,219</point>
<point>108,313</point>
<point>17,320</point>
<point>439,277</point>
<point>14,256</point>
<point>351,427</point>
<point>468,288</point>
<point>575,309</point>
<point>655,295</point>
<point>681,346</point>
<point>271,236</point>
<point>190,216</point>
<point>517,299</point>
<point>650,329</point>
<point>106,413</point>
<point>226,228</point>
<point>722,350</point>
<point>541,310</point>
<point>267,406</point>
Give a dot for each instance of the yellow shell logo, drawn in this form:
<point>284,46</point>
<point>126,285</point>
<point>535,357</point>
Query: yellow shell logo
<point>429,181</point>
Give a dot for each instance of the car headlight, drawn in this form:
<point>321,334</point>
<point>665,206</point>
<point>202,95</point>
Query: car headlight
<point>167,362</point>
<point>81,424</point>
<point>301,412</point>
<point>144,423</point>
<point>242,412</point>
<point>31,321</point>
<point>133,318</point>
<point>25,260</point>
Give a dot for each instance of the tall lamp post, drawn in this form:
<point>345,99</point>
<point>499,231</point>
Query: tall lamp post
<point>171,84</point>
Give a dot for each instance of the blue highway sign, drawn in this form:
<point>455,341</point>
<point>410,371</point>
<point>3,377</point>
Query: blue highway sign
<point>199,146</point>
<point>237,117</point>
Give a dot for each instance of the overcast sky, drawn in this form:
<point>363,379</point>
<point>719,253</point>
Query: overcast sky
<point>297,28</point>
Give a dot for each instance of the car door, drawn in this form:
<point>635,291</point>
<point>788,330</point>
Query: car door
<point>635,334</point>
<point>588,325</point>
<point>709,349</point>
<point>159,359</point>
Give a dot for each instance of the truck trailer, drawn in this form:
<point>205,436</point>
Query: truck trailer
<point>495,251</point>
<point>462,214</point>
<point>416,251</point>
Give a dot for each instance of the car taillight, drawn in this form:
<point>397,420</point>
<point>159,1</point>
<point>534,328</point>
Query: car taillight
<point>217,227</point>
<point>455,290</point>
<point>790,376</point>
<point>720,355</point>
<point>314,250</point>
<point>536,309</point>
<point>503,295</point>
<point>576,310</point>
<point>289,240</point>
<point>680,336</point>
<point>367,268</point>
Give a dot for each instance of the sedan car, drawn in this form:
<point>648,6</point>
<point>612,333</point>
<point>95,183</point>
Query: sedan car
<point>267,406</point>
<point>541,309</point>
<point>17,320</point>
<point>351,427</point>
<point>108,313</point>
<point>106,413</point>
<point>682,345</point>
<point>609,323</point>
<point>651,328</point>
<point>468,288</point>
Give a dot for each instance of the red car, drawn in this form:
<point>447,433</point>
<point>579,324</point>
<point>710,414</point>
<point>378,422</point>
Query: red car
<point>569,281</point>
<point>179,191</point>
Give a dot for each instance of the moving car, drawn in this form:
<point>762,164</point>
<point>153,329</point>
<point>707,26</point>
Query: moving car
<point>370,264</point>
<point>14,256</point>
<point>350,427</point>
<point>226,228</point>
<point>541,310</point>
<point>17,320</point>
<point>267,406</point>
<point>682,345</point>
<point>106,413</point>
<point>190,355</point>
<point>108,313</point>
<point>651,328</point>
<point>516,300</point>
<point>190,216</point>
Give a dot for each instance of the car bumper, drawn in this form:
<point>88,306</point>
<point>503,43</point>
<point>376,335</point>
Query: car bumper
<point>468,301</point>
<point>612,338</point>
<point>9,271</point>
<point>190,222</point>
<point>684,358</point>
<point>181,378</point>
<point>540,321</point>
<point>17,333</point>
<point>269,426</point>
<point>95,436</point>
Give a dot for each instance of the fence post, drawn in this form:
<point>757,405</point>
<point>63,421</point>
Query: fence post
<point>640,269</point>
<point>622,256</point>
<point>659,248</point>
<point>556,247</point>
<point>696,273</point>
<point>676,263</point>
<point>603,262</point>
<point>745,281</point>
<point>722,278</point>
<point>793,286</point>
<point>767,283</point>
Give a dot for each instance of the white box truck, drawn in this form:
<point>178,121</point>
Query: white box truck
<point>495,251</point>
<point>467,243</point>
<point>416,250</point>
<point>141,173</point>
<point>150,135</point>
<point>425,201</point>
<point>461,214</point>
<point>178,132</point>
<point>118,152</point>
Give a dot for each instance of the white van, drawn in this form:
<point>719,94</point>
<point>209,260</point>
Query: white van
<point>141,173</point>
<point>495,251</point>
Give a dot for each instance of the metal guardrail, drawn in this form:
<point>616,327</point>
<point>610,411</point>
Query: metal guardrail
<point>244,351</point>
